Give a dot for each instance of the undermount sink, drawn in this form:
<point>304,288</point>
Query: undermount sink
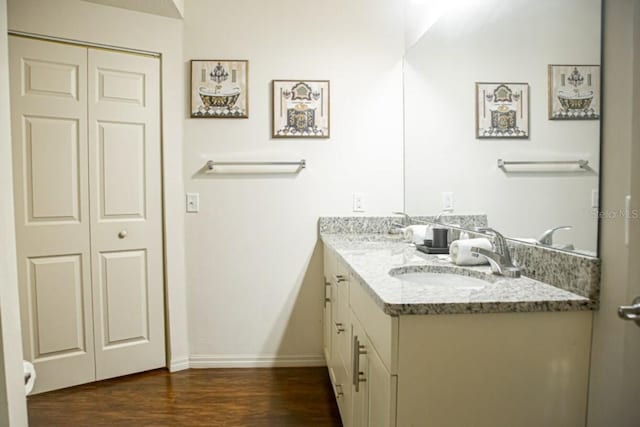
<point>444,280</point>
<point>443,277</point>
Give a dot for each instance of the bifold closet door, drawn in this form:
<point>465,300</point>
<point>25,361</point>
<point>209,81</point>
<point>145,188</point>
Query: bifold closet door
<point>86,157</point>
<point>126,212</point>
<point>51,189</point>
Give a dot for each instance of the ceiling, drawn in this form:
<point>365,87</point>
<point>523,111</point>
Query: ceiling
<point>168,8</point>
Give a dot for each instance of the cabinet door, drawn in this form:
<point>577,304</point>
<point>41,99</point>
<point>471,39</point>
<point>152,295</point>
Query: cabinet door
<point>344,395</point>
<point>327,321</point>
<point>373,387</point>
<point>382,388</point>
<point>342,323</point>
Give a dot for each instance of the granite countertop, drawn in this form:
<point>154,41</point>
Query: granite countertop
<point>370,257</point>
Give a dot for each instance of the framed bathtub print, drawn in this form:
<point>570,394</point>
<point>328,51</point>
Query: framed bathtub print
<point>502,110</point>
<point>574,92</point>
<point>219,89</point>
<point>300,109</point>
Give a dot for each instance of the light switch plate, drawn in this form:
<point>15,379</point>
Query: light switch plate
<point>193,202</point>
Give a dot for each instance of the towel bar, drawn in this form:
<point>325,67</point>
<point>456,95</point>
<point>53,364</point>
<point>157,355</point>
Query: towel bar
<point>581,163</point>
<point>300,164</point>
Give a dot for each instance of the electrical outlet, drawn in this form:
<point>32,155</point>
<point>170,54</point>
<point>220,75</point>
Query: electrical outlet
<point>447,201</point>
<point>595,199</point>
<point>358,202</point>
<point>193,202</point>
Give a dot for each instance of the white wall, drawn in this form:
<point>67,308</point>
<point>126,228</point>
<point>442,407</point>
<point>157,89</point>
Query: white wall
<point>420,15</point>
<point>493,41</point>
<point>253,258</point>
<point>83,21</point>
<point>13,408</point>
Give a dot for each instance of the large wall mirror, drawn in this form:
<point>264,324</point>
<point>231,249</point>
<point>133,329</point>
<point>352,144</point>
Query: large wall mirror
<point>512,81</point>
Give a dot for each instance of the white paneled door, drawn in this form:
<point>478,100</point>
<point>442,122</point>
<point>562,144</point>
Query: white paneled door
<point>126,215</point>
<point>86,155</point>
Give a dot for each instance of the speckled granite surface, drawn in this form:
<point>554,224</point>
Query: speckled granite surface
<point>371,257</point>
<point>382,224</point>
<point>571,271</point>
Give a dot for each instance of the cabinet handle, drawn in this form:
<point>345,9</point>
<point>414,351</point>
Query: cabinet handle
<point>358,350</point>
<point>339,327</point>
<point>339,278</point>
<point>339,394</point>
<point>326,300</point>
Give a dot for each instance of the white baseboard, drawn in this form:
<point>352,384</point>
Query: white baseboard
<point>179,365</point>
<point>254,361</point>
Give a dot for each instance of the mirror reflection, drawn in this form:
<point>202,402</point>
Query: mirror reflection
<point>502,116</point>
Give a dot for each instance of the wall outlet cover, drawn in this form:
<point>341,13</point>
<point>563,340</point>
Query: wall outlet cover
<point>447,201</point>
<point>358,202</point>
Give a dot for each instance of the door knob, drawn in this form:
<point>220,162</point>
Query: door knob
<point>122,234</point>
<point>631,312</point>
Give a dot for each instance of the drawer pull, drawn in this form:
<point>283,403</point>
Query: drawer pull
<point>339,327</point>
<point>339,278</point>
<point>358,350</point>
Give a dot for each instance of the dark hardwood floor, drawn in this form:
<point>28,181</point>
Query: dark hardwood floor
<point>197,397</point>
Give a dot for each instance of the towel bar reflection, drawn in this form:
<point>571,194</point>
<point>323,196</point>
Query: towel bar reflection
<point>300,164</point>
<point>582,164</point>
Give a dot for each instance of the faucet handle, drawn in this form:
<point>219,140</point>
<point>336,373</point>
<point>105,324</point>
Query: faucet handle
<point>406,219</point>
<point>499,241</point>
<point>546,238</point>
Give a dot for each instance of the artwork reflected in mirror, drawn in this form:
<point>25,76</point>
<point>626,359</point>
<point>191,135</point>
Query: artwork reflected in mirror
<point>502,110</point>
<point>574,92</point>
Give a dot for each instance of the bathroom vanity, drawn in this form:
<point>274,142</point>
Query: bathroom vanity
<point>404,349</point>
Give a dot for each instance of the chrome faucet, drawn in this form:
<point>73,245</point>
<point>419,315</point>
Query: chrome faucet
<point>406,220</point>
<point>546,238</point>
<point>500,259</point>
<point>438,218</point>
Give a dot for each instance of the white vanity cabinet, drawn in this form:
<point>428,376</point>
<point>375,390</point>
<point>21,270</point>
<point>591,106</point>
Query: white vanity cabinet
<point>486,369</point>
<point>373,386</point>
<point>364,387</point>
<point>337,323</point>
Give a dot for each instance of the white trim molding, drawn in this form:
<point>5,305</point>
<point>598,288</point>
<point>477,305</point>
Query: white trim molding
<point>178,365</point>
<point>199,361</point>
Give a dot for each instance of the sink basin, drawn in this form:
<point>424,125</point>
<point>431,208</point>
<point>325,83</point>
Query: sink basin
<point>443,280</point>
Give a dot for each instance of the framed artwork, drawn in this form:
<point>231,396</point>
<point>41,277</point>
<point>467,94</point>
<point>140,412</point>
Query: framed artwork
<point>502,110</point>
<point>574,92</point>
<point>219,88</point>
<point>301,109</point>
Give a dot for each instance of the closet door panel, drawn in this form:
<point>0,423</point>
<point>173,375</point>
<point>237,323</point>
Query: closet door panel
<point>48,88</point>
<point>126,221</point>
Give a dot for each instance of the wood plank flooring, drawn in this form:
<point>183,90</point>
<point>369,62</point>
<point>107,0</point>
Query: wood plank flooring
<point>197,397</point>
